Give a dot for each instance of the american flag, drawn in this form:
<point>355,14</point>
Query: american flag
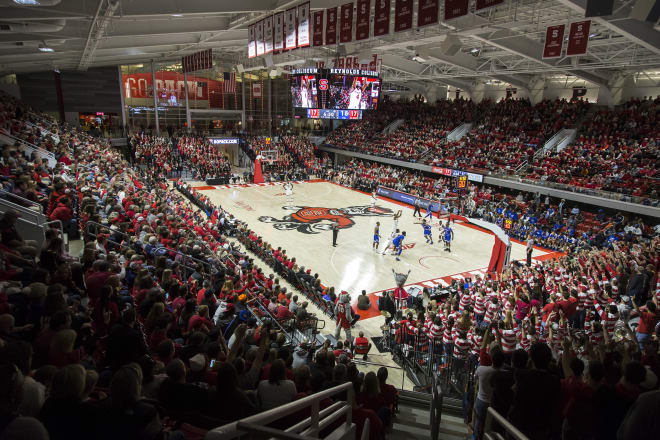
<point>229,82</point>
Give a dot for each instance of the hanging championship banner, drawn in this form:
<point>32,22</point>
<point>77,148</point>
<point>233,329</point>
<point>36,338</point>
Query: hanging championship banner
<point>290,29</point>
<point>403,15</point>
<point>578,38</point>
<point>317,30</point>
<point>346,23</point>
<point>260,37</point>
<point>256,90</point>
<point>554,40</point>
<point>382,18</point>
<point>252,45</point>
<point>362,21</point>
<point>455,8</point>
<point>427,12</point>
<point>483,4</point>
<point>278,31</point>
<point>303,25</point>
<point>268,34</point>
<point>331,27</point>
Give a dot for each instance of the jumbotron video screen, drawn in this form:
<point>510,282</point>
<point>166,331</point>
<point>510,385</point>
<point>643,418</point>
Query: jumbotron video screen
<point>304,92</point>
<point>335,89</point>
<point>352,92</point>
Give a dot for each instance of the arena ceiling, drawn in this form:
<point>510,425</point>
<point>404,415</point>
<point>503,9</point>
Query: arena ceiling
<point>501,44</point>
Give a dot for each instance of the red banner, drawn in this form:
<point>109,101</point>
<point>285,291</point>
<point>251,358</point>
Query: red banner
<point>362,22</point>
<point>440,170</point>
<point>554,40</point>
<point>317,29</point>
<point>483,4</point>
<point>403,15</point>
<point>455,8</point>
<point>170,88</point>
<point>427,12</point>
<point>578,38</point>
<point>382,18</point>
<point>331,27</point>
<point>346,23</point>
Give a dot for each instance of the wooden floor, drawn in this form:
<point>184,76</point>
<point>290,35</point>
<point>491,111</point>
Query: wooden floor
<point>300,225</point>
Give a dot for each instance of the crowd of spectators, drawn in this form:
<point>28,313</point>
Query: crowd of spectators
<point>128,339</point>
<point>616,151</point>
<point>192,154</point>
<point>550,223</point>
<point>504,134</point>
<point>131,337</point>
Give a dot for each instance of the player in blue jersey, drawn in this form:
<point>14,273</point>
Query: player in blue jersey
<point>448,236</point>
<point>427,232</point>
<point>429,212</point>
<point>398,244</point>
<point>376,242</point>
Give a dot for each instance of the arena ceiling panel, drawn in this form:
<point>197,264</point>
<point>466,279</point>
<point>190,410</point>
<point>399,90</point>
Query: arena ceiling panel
<point>503,43</point>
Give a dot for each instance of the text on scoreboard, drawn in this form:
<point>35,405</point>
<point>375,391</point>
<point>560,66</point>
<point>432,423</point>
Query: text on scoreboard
<point>322,113</point>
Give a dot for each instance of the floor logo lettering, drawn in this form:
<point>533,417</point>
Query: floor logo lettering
<point>312,220</point>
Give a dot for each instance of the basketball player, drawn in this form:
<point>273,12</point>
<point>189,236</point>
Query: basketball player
<point>304,98</point>
<point>398,244</point>
<point>373,199</point>
<point>427,231</point>
<point>448,237</point>
<point>395,223</point>
<point>393,235</point>
<point>355,97</point>
<point>288,191</point>
<point>429,212</point>
<point>374,246</point>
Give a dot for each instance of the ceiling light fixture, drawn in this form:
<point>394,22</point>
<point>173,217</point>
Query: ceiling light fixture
<point>177,15</point>
<point>474,50</point>
<point>27,2</point>
<point>418,59</point>
<point>46,49</point>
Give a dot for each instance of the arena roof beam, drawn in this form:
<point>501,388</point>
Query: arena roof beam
<point>507,40</point>
<point>401,64</point>
<point>640,32</point>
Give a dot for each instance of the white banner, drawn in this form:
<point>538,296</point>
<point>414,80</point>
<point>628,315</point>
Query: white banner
<point>303,25</point>
<point>256,90</point>
<point>278,25</point>
<point>252,46</point>
<point>268,34</point>
<point>290,28</point>
<point>260,38</point>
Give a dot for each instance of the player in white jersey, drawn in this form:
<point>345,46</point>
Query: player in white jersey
<point>304,97</point>
<point>288,192</point>
<point>355,97</point>
<point>373,199</point>
<point>389,241</point>
<point>395,222</point>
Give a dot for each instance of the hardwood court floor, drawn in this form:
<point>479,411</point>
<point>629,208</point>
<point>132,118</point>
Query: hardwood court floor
<point>301,227</point>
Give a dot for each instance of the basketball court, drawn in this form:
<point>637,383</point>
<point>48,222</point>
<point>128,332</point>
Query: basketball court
<point>303,229</point>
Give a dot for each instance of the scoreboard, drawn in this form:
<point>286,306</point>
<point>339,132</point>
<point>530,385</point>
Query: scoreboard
<point>322,113</point>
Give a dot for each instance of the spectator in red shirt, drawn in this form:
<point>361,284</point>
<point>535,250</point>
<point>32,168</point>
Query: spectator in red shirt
<point>200,321</point>
<point>648,319</point>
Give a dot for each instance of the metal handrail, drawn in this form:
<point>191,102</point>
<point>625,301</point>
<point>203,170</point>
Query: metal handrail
<point>376,364</point>
<point>31,145</point>
<point>104,227</point>
<point>253,423</point>
<point>23,210</point>
<point>436,407</point>
<point>61,229</point>
<point>502,421</point>
<point>31,202</point>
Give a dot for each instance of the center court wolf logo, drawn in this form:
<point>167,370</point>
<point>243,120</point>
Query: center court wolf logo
<point>312,220</point>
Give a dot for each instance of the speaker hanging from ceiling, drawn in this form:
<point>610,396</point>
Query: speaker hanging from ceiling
<point>599,8</point>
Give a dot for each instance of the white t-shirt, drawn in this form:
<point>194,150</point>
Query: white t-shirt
<point>483,374</point>
<point>272,396</point>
